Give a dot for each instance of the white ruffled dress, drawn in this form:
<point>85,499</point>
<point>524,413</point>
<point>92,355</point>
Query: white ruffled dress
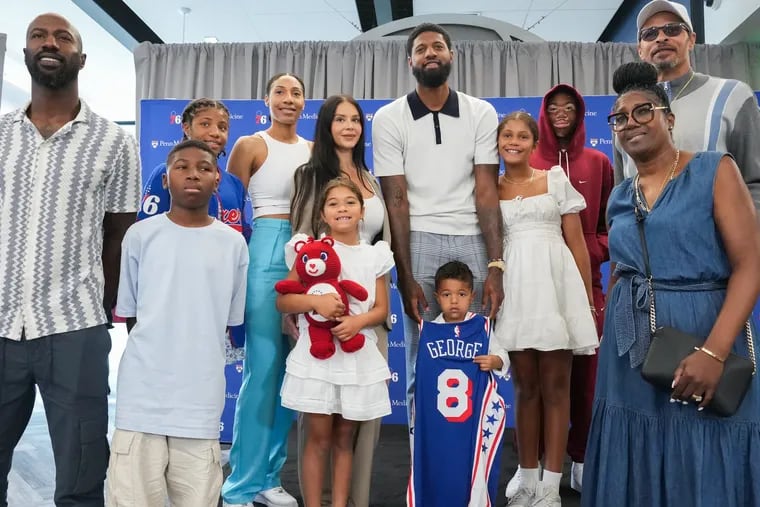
<point>545,304</point>
<point>351,384</point>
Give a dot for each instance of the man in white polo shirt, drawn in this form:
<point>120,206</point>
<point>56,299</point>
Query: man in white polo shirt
<point>69,188</point>
<point>435,153</point>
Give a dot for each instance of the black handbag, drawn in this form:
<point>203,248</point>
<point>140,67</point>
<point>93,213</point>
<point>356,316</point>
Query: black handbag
<point>669,347</point>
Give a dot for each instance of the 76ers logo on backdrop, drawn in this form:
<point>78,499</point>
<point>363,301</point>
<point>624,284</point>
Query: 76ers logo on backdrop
<point>261,119</point>
<point>174,118</point>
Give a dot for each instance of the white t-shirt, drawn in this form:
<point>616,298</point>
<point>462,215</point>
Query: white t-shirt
<point>184,285</point>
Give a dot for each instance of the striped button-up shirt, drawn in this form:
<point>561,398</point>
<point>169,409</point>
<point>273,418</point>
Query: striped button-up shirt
<point>54,194</point>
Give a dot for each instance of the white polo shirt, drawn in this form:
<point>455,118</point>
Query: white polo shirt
<point>436,152</point>
<point>54,194</point>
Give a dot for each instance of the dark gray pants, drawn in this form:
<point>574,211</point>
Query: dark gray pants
<point>71,370</point>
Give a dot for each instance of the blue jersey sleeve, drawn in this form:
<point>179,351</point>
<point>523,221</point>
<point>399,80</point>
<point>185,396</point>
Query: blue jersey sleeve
<point>243,203</point>
<point>155,198</point>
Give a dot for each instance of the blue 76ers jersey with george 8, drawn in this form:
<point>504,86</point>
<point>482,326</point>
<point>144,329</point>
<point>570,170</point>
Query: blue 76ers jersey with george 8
<point>458,418</point>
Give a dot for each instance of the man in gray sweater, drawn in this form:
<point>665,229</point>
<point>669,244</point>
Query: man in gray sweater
<point>711,113</point>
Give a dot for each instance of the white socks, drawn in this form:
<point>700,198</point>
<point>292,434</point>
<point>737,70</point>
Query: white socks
<point>529,478</point>
<point>550,480</point>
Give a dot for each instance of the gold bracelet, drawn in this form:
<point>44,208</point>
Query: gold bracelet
<point>710,353</point>
<point>497,263</point>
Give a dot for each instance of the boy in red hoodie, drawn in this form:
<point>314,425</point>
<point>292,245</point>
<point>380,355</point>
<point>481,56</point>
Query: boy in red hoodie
<point>561,141</point>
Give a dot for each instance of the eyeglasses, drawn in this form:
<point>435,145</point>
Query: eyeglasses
<point>642,114</point>
<point>553,110</point>
<point>670,30</point>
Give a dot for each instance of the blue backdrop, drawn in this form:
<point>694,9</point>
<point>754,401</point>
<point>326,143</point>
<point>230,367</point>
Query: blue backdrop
<point>160,130</point>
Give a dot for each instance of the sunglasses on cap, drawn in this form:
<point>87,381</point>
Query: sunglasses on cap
<point>670,30</point>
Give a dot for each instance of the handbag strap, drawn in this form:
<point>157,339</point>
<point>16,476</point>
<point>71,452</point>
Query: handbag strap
<point>652,311</point>
<point>647,269</point>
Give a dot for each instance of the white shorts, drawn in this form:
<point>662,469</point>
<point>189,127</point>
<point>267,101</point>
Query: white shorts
<point>145,469</point>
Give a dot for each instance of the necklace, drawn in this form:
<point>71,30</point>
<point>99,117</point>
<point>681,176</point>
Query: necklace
<point>683,87</point>
<point>523,182</point>
<point>668,177</point>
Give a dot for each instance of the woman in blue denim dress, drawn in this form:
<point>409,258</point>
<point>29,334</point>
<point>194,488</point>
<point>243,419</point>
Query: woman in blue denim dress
<point>647,446</point>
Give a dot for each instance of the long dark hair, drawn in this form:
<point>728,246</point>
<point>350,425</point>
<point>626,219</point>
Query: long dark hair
<point>311,179</point>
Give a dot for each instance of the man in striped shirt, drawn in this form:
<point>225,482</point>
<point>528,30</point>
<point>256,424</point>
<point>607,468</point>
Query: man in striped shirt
<point>69,188</point>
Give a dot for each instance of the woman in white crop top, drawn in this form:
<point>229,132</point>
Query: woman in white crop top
<point>265,163</point>
<point>339,152</point>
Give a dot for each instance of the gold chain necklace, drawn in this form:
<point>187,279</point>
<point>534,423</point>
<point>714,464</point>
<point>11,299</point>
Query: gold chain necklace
<point>683,87</point>
<point>668,177</point>
<point>524,182</point>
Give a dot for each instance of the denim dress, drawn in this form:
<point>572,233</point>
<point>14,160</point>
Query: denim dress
<point>642,449</point>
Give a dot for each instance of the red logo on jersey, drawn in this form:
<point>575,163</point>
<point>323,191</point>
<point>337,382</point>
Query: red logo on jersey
<point>231,216</point>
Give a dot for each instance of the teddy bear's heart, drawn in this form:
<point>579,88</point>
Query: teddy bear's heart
<point>319,289</point>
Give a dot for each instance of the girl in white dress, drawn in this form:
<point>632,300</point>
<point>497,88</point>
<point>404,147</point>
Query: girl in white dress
<point>547,312</point>
<point>337,392</point>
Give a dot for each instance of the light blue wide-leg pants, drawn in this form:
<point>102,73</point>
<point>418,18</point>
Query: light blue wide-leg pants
<point>260,433</point>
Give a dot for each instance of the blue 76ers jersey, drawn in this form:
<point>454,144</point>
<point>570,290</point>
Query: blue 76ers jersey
<point>458,418</point>
<point>231,204</point>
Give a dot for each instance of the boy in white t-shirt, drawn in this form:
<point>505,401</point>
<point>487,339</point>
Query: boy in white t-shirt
<point>182,282</point>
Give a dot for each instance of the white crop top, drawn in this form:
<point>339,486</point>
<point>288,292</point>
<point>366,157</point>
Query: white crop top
<point>269,187</point>
<point>374,216</point>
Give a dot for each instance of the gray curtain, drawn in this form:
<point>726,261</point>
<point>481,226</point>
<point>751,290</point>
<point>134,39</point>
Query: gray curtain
<point>378,69</point>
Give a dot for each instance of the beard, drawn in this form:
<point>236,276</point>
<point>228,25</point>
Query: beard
<point>55,79</point>
<point>432,78</point>
<point>667,64</point>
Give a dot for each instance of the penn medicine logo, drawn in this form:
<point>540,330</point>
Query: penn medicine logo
<point>155,143</point>
<point>594,141</point>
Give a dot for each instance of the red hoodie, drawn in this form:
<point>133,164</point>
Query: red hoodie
<point>589,171</point>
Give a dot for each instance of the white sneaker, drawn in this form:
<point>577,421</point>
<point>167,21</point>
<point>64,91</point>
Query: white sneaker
<point>522,498</point>
<point>546,497</point>
<point>276,497</point>
<point>514,483</point>
<point>576,476</point>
